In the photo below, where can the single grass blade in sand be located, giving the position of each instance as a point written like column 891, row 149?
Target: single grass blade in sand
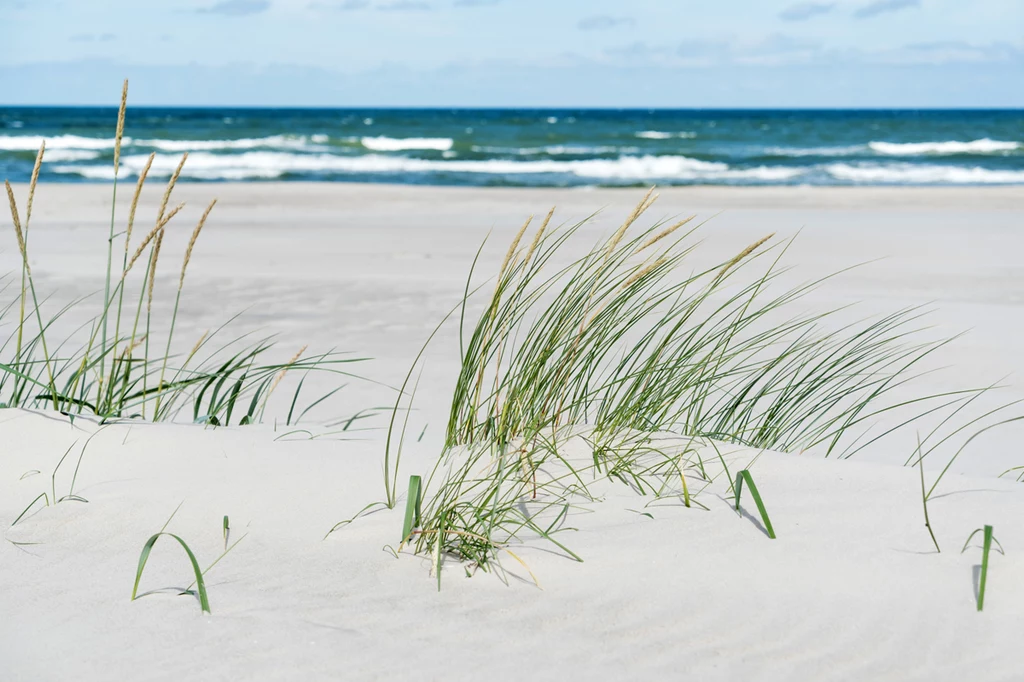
column 742, row 476
column 924, row 498
column 986, row 549
column 412, row 507
column 204, row 601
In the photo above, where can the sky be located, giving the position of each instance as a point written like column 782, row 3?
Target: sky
column 525, row 53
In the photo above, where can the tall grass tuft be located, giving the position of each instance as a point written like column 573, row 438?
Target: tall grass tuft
column 113, row 374
column 629, row 340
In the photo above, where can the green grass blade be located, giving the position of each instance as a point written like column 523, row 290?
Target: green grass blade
column 742, row 476
column 43, row 496
column 412, row 507
column 984, row 567
column 204, row 602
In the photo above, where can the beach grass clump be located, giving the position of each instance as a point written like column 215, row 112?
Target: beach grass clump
column 631, row 339
column 113, row 367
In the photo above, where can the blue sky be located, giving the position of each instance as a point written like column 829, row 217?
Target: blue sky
column 611, row 53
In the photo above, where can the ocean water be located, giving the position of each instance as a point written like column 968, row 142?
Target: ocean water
column 524, row 147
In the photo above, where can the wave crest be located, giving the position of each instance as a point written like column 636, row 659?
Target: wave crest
column 982, row 146
column 391, row 144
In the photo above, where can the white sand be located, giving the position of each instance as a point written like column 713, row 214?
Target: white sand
column 851, row 589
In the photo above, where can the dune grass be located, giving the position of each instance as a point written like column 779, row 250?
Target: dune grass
column 412, row 507
column 986, row 548
column 630, row 340
column 742, row 477
column 113, row 367
column 198, row 581
column 204, row 600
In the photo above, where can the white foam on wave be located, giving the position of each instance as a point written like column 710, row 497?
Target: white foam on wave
column 814, row 151
column 66, row 155
column 982, row 146
column 660, row 135
column 30, row 143
column 391, row 144
column 272, row 141
column 911, row 174
column 555, row 150
column 269, row 165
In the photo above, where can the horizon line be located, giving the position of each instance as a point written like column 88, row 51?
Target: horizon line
column 367, row 107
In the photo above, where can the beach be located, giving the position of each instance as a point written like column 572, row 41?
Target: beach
column 852, row 588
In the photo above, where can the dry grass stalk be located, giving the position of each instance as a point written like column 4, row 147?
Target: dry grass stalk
column 120, row 125
column 512, row 249
column 192, row 242
column 135, row 201
column 170, row 187
column 664, row 233
column 152, row 268
column 642, row 272
column 127, row 352
column 743, row 254
column 644, row 204
column 149, row 237
column 17, row 225
column 195, row 348
column 284, row 370
column 32, row 184
column 537, row 237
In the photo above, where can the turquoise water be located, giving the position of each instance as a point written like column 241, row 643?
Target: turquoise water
column 525, row 147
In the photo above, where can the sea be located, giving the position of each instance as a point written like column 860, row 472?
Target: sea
column 523, row 147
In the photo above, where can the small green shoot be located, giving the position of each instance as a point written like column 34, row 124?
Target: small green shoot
column 989, row 538
column 204, row 602
column 227, row 531
column 412, row 507
column 742, row 476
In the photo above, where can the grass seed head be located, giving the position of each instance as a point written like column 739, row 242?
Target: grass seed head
column 120, row 125
column 640, row 274
column 743, row 254
column 32, row 183
column 17, row 224
column 127, row 352
column 170, row 187
column 149, row 237
column 192, row 242
column 284, row 370
column 644, row 204
column 537, row 237
column 664, row 233
column 512, row 248
column 152, row 267
column 199, row 344
column 135, row 200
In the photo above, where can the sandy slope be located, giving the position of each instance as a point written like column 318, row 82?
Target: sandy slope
column 851, row 589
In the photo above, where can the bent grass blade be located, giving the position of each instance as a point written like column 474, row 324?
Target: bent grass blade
column 742, row 476
column 204, row 601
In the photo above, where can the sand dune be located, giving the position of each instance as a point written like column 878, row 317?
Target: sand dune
column 852, row 588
